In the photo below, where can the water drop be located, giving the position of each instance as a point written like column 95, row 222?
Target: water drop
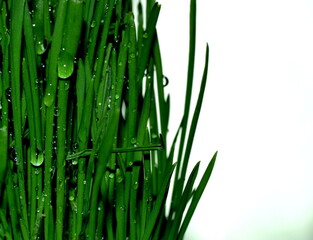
column 40, row 47
column 65, row 64
column 145, row 35
column 133, row 141
column 119, row 179
column 136, row 186
column 165, row 81
column 111, row 175
column 37, row 161
column 93, row 24
column 8, row 94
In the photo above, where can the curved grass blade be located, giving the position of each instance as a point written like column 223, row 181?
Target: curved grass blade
column 196, row 197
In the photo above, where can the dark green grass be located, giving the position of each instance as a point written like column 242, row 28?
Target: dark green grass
column 84, row 121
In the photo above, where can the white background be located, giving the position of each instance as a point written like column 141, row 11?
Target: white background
column 257, row 112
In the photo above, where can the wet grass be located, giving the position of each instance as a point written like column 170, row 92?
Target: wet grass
column 84, row 122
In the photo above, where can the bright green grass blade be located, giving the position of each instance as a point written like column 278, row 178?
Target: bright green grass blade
column 12, row 202
column 16, row 44
column 196, row 197
column 47, row 21
column 52, row 76
column 71, row 37
column 38, row 26
column 107, row 144
column 33, row 76
column 61, row 154
column 103, row 41
column 118, row 15
column 80, row 90
column 95, row 26
column 164, row 113
column 120, row 206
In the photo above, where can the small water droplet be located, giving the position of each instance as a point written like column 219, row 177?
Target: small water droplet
column 111, row 175
column 165, row 81
column 145, row 35
column 93, row 24
column 133, row 140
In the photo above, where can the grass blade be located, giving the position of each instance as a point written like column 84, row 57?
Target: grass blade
column 196, row 197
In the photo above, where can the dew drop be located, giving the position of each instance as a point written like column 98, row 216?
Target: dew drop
column 65, row 64
column 165, row 81
column 93, row 24
column 133, row 141
column 37, row 161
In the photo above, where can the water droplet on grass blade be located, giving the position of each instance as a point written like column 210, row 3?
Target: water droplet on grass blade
column 165, row 81
column 133, row 140
column 93, row 24
column 40, row 47
column 37, row 161
column 65, row 64
column 119, row 179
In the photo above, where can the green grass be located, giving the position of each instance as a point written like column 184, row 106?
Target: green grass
column 84, row 121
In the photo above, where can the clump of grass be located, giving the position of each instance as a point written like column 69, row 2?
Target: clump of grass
column 84, row 121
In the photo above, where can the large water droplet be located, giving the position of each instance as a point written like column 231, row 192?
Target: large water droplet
column 37, row 161
column 65, row 64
